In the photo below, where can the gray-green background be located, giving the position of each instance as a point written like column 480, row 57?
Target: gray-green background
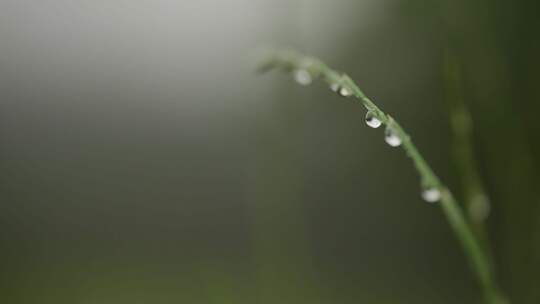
column 142, row 160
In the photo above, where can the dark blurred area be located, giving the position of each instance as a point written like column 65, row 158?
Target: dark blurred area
column 143, row 160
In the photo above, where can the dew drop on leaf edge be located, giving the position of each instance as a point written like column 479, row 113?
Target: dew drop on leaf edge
column 303, row 77
column 391, row 138
column 343, row 91
column 372, row 121
column 431, row 195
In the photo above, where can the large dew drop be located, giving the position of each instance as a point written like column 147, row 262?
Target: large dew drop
column 372, row 121
column 303, row 77
column 391, row 138
column 431, row 195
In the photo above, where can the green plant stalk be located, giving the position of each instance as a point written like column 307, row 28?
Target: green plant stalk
column 474, row 196
column 479, row 261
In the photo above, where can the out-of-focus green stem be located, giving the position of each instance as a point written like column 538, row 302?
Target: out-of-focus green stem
column 479, row 260
column 475, row 197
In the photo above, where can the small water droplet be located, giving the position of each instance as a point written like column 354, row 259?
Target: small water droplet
column 343, row 91
column 431, row 195
column 334, row 87
column 372, row 121
column 303, row 77
column 391, row 138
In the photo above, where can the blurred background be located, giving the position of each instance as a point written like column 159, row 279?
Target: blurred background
column 143, row 161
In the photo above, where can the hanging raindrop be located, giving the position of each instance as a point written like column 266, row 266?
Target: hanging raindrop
column 343, row 91
column 303, row 77
column 392, row 138
column 334, row 87
column 372, row 121
column 431, row 195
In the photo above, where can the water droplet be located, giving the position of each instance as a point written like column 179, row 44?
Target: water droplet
column 303, row 77
column 391, row 138
column 343, row 91
column 372, row 121
column 431, row 195
column 334, row 87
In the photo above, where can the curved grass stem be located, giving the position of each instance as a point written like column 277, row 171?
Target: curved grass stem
column 479, row 260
